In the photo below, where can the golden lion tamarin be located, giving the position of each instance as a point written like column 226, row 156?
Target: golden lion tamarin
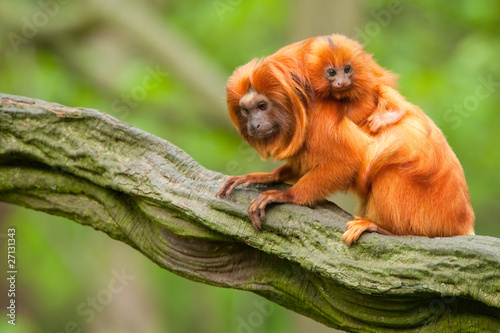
column 348, row 131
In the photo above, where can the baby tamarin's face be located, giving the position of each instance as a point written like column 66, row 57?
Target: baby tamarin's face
column 340, row 77
column 338, row 67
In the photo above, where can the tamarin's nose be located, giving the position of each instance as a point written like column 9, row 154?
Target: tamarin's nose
column 341, row 84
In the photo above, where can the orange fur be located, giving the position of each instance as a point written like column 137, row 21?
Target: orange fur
column 411, row 182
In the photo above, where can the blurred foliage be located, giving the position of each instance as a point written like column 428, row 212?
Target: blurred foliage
column 443, row 52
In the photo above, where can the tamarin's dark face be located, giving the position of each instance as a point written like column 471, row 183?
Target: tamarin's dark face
column 259, row 118
column 267, row 103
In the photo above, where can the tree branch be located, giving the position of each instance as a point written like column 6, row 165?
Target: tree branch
column 142, row 190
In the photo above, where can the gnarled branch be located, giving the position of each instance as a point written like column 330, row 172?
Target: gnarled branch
column 142, row 190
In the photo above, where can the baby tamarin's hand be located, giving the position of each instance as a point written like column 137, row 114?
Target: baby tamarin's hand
column 379, row 120
column 391, row 108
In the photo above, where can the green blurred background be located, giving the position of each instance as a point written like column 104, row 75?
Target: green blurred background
column 161, row 66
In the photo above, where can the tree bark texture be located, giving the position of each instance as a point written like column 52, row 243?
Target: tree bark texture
column 142, row 190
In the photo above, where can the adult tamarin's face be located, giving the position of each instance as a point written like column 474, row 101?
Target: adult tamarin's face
column 260, row 117
column 267, row 104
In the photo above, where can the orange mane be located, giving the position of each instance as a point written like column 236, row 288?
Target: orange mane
column 285, row 89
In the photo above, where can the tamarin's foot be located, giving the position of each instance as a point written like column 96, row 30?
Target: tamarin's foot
column 356, row 227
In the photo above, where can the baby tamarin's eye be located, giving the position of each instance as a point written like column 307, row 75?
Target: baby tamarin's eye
column 244, row 111
column 262, row 106
column 330, row 72
column 347, row 69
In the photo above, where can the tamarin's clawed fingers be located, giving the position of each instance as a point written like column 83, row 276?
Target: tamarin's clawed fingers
column 280, row 174
column 257, row 210
column 231, row 183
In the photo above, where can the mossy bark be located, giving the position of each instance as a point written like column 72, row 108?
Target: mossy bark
column 139, row 189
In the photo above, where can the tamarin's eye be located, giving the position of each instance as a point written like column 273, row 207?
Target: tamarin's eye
column 347, row 69
column 330, row 72
column 262, row 106
column 244, row 111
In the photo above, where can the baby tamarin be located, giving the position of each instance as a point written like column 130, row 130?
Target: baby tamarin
column 411, row 181
column 372, row 103
column 271, row 107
